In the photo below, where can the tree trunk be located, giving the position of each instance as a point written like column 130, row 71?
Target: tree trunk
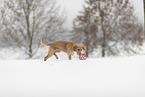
column 87, row 44
column 104, row 37
column 27, row 15
column 103, row 30
column 87, row 50
column 103, row 50
column 144, row 17
column 103, row 45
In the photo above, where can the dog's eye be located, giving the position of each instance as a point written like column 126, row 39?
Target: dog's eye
column 79, row 49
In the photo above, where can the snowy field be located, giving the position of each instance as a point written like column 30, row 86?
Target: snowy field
column 94, row 77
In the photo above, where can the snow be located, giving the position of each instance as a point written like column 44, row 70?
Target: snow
column 94, row 77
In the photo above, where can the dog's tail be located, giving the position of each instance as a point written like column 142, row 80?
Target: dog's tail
column 44, row 43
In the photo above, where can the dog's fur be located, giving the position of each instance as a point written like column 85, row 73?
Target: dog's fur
column 64, row 46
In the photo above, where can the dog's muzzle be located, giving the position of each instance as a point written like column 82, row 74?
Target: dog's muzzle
column 79, row 53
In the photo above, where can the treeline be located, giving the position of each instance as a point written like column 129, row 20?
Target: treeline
column 106, row 26
column 109, row 26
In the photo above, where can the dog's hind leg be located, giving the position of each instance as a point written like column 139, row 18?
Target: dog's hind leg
column 55, row 55
column 48, row 56
column 50, row 53
column 56, row 51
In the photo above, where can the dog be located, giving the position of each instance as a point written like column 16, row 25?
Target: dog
column 63, row 46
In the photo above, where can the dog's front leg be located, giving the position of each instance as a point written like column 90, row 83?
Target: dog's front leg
column 69, row 53
column 69, row 57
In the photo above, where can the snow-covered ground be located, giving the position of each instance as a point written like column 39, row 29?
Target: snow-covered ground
column 94, row 77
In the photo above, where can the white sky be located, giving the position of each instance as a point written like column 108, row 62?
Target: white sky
column 72, row 7
column 138, row 4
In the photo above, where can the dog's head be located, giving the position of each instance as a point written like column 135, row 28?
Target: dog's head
column 78, row 48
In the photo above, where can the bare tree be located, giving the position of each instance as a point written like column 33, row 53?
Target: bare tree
column 24, row 22
column 111, row 26
column 85, row 28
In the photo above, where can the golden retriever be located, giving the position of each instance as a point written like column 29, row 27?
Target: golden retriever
column 64, row 46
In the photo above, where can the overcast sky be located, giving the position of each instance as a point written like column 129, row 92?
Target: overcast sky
column 72, row 7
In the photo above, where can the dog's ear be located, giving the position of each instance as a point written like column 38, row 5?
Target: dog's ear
column 83, row 47
column 74, row 47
